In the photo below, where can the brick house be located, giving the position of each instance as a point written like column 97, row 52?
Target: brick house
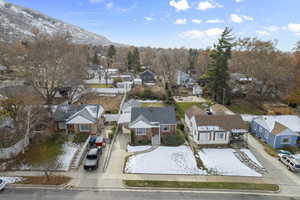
column 85, row 118
column 153, row 123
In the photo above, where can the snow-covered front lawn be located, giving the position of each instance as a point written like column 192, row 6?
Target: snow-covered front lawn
column 224, row 162
column 164, row 160
column 133, row 149
column 8, row 179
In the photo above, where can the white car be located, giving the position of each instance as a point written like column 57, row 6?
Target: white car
column 292, row 162
column 2, row 184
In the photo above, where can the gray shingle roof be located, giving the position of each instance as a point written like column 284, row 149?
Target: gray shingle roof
column 64, row 111
column 163, row 115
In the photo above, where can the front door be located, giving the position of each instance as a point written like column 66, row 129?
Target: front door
column 155, row 137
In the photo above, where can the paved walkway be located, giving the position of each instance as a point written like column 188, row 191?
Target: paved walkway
column 277, row 172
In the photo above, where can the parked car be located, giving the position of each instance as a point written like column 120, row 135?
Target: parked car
column 284, row 152
column 97, row 142
column 2, row 184
column 292, row 163
column 92, row 159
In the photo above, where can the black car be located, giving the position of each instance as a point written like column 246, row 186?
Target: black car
column 92, row 159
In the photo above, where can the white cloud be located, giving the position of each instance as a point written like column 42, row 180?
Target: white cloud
column 209, row 34
column 197, row 21
column 149, row 19
column 180, row 5
column 180, row 21
column 272, row 28
column 109, row 5
column 239, row 1
column 263, row 33
column 236, row 18
column 214, row 21
column 294, row 27
column 204, row 5
column 248, row 18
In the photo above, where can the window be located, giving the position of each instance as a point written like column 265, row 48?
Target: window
column 84, row 127
column 203, row 136
column 285, row 140
column 61, row 125
column 220, row 136
column 164, row 128
column 141, row 131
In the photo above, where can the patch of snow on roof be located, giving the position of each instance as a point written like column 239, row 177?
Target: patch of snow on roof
column 290, row 121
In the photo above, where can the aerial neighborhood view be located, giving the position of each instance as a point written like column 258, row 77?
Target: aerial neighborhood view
column 187, row 99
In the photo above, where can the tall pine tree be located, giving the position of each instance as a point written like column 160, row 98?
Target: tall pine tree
column 129, row 61
column 218, row 75
column 136, row 60
column 111, row 53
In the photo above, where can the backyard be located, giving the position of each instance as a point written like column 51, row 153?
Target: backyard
column 110, row 104
column 99, row 86
column 246, row 107
column 182, row 107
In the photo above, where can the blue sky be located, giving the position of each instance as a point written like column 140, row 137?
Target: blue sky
column 178, row 23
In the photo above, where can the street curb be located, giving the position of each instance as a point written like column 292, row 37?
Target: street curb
column 204, row 189
column 66, row 187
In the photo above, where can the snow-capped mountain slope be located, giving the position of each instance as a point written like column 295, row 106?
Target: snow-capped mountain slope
column 17, row 23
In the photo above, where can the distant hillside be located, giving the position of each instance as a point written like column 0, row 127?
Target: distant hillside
column 17, row 23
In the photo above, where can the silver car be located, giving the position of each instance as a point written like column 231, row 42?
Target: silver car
column 2, row 184
column 292, row 163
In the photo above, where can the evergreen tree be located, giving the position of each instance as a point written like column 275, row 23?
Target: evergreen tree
column 193, row 54
column 136, row 60
column 218, row 75
column 129, row 61
column 95, row 59
column 111, row 53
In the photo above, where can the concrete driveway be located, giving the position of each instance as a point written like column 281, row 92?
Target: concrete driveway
column 277, row 172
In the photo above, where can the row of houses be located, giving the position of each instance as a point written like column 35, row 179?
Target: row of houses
column 99, row 75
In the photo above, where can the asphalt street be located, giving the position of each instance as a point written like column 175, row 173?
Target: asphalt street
column 37, row 194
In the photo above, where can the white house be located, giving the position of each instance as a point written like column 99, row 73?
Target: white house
column 216, row 129
column 192, row 111
column 197, row 90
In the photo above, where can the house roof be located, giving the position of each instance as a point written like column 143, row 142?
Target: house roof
column 226, row 122
column 147, row 76
column 64, row 111
column 76, row 113
column 195, row 110
column 130, row 104
column 280, row 129
column 268, row 121
column 163, row 115
column 219, row 109
column 88, row 114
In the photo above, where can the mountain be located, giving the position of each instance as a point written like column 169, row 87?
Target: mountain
column 17, row 22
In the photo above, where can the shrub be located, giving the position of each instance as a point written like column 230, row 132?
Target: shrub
column 180, row 127
column 291, row 149
column 143, row 142
column 80, row 138
column 111, row 136
column 175, row 139
column 132, row 137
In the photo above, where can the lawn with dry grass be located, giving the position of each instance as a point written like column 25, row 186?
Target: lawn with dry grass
column 44, row 180
column 110, row 104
